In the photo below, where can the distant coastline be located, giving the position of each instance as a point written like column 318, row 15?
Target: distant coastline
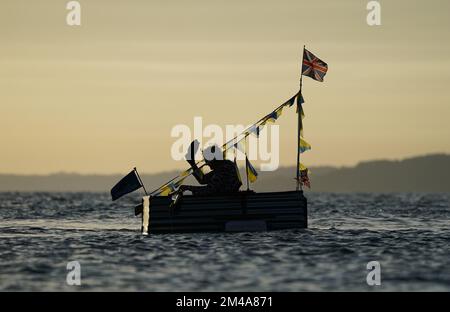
column 429, row 173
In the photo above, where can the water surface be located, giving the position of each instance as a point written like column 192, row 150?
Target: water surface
column 409, row 234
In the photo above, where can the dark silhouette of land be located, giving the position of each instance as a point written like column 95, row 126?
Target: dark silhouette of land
column 430, row 173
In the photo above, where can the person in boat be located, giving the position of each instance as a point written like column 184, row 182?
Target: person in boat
column 222, row 179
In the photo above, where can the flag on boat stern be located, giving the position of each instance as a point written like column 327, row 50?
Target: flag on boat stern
column 313, row 66
column 304, row 178
column 251, row 171
column 128, row 184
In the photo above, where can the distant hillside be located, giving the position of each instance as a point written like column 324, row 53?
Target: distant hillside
column 429, row 173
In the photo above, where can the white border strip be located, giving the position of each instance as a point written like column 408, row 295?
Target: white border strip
column 145, row 215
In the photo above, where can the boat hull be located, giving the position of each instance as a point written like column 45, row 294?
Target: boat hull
column 240, row 212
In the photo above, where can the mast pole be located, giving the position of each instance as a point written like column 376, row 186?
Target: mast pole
column 246, row 164
column 140, row 180
column 299, row 124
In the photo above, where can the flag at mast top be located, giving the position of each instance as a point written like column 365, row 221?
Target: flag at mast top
column 313, row 66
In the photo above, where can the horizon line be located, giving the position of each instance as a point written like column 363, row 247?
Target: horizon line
column 280, row 167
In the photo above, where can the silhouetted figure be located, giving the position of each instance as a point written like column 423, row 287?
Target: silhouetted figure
column 222, row 179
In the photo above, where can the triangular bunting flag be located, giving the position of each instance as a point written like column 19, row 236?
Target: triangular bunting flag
column 291, row 101
column 304, row 146
column 240, row 146
column 251, row 171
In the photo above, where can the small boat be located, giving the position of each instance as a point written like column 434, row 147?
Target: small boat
column 241, row 212
column 166, row 210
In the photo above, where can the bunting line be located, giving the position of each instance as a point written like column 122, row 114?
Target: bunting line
column 170, row 186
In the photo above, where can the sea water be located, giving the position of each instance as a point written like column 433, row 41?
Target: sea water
column 408, row 234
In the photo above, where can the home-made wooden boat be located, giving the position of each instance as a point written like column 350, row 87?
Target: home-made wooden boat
column 166, row 210
column 243, row 211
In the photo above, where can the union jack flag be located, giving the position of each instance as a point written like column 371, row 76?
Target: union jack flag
column 304, row 179
column 313, row 66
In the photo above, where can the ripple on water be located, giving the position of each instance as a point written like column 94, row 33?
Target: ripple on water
column 408, row 233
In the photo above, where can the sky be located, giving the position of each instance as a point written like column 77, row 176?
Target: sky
column 103, row 97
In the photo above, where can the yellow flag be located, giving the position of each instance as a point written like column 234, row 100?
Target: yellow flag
column 166, row 190
column 251, row 171
column 186, row 173
column 304, row 146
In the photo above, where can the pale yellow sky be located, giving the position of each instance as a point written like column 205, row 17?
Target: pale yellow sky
column 104, row 96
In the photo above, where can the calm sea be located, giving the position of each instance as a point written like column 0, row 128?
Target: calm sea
column 408, row 234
